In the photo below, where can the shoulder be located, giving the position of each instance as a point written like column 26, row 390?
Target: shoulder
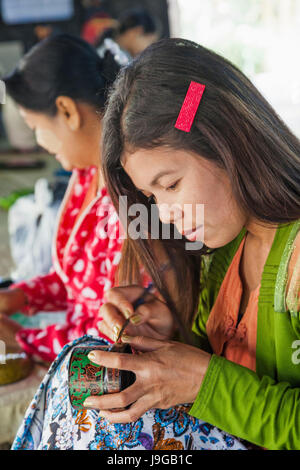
column 293, row 278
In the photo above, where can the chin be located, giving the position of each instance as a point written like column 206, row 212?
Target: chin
column 67, row 166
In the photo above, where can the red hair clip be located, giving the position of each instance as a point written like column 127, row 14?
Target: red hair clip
column 189, row 107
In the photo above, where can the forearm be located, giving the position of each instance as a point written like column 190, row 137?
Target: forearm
column 237, row 401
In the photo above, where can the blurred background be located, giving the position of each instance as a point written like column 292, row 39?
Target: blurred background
column 261, row 37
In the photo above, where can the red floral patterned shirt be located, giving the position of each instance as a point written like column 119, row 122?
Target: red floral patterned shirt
column 86, row 252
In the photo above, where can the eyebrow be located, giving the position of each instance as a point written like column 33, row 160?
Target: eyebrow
column 157, row 177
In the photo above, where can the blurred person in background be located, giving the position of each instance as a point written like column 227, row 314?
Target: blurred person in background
column 60, row 87
column 19, row 135
column 135, row 31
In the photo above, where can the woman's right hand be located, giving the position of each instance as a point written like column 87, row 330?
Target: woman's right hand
column 11, row 300
column 152, row 319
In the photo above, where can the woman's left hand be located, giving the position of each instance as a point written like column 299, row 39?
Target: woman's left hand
column 168, row 373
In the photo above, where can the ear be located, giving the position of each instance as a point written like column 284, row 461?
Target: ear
column 69, row 110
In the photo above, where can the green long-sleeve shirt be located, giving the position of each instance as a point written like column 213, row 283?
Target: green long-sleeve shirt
column 261, row 407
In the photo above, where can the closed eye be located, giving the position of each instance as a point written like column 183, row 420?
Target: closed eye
column 173, row 186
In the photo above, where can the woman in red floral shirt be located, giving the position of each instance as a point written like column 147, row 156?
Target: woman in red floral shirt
column 61, row 87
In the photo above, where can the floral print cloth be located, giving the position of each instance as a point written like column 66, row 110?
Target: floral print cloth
column 51, row 423
column 86, row 253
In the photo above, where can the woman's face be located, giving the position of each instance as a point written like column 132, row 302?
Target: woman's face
column 135, row 40
column 143, row 41
column 176, row 177
column 72, row 135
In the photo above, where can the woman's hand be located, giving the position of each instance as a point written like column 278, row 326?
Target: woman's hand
column 152, row 319
column 167, row 374
column 11, row 300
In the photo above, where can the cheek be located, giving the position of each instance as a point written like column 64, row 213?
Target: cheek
column 74, row 149
column 215, row 194
column 48, row 139
column 223, row 219
column 145, row 42
column 222, row 203
column 211, row 199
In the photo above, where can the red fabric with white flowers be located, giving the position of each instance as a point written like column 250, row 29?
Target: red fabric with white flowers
column 86, row 252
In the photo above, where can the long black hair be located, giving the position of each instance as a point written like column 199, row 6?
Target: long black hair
column 62, row 65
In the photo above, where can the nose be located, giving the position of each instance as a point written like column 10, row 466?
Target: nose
column 169, row 213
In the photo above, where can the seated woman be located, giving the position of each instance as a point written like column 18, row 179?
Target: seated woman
column 135, row 30
column 167, row 141
column 61, row 87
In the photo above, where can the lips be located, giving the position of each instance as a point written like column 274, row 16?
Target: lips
column 192, row 234
column 186, row 233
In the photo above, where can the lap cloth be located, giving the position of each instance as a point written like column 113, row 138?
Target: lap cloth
column 51, row 422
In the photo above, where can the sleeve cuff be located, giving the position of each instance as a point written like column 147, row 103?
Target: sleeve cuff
column 207, row 386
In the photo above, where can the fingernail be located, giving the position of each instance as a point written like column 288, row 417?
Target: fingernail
column 88, row 402
column 116, row 331
column 127, row 313
column 136, row 319
column 91, row 356
column 126, row 339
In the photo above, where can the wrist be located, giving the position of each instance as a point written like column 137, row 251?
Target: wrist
column 202, row 367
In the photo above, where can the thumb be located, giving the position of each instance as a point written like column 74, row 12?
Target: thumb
column 124, row 297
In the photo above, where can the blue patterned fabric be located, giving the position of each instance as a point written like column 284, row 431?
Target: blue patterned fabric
column 51, row 422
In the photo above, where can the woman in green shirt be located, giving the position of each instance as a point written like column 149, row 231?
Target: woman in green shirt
column 242, row 163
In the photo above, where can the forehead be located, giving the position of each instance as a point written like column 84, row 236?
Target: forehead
column 144, row 165
column 152, row 158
